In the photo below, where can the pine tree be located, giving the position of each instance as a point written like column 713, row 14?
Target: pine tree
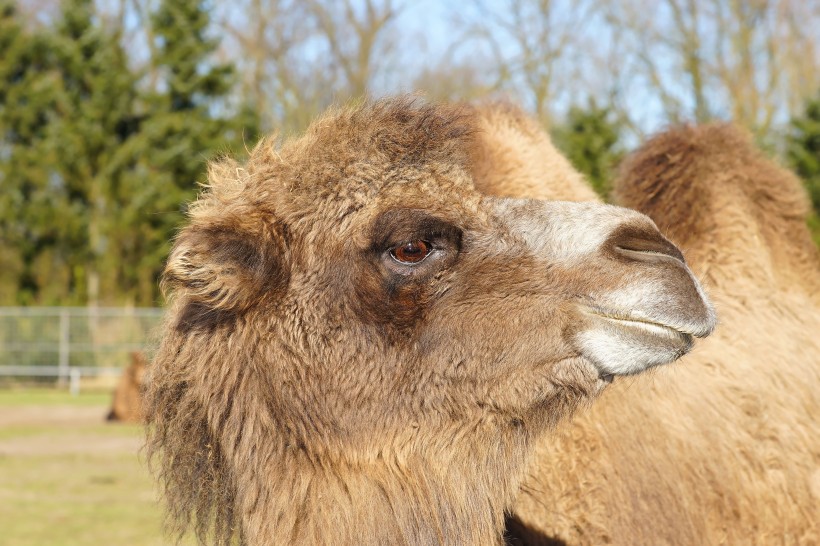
column 803, row 153
column 189, row 118
column 589, row 138
column 66, row 106
column 31, row 196
column 95, row 162
column 94, row 125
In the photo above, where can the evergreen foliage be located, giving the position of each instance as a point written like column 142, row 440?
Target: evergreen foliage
column 97, row 160
column 804, row 155
column 31, row 243
column 589, row 138
column 189, row 118
column 93, row 124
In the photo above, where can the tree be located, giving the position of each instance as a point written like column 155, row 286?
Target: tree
column 536, row 45
column 95, row 120
column 32, row 196
column 803, row 153
column 352, row 37
column 296, row 57
column 269, row 40
column 589, row 138
column 451, row 80
column 187, row 118
column 697, row 60
column 68, row 98
column 95, row 161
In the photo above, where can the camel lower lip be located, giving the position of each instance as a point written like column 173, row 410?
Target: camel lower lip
column 647, row 326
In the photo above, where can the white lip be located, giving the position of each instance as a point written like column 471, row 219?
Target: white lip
column 648, row 325
column 618, row 345
column 656, row 328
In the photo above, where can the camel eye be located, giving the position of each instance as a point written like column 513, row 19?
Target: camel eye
column 412, row 252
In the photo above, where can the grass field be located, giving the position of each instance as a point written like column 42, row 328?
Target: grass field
column 69, row 478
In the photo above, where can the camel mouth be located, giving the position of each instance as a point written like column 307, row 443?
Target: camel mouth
column 619, row 345
column 655, row 326
column 650, row 327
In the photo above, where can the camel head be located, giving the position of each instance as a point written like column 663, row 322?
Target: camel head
column 349, row 308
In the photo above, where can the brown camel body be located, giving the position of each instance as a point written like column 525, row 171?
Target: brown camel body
column 723, row 448
column 363, row 349
column 127, row 402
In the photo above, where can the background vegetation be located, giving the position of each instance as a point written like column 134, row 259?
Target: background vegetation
column 110, row 109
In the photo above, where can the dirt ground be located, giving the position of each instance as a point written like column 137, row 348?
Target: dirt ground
column 76, row 440
column 30, row 415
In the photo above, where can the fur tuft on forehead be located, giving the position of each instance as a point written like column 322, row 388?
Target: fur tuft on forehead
column 347, row 153
column 344, row 155
column 386, row 134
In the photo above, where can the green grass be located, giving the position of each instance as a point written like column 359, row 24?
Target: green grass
column 78, row 499
column 52, row 397
column 814, row 227
column 68, row 478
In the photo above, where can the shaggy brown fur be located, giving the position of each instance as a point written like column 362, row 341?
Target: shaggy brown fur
column 725, row 447
column 311, row 387
column 515, row 158
column 127, row 404
column 731, row 209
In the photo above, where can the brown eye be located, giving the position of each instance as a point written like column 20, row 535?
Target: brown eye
column 412, row 252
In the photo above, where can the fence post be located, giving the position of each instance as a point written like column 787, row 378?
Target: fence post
column 62, row 363
column 74, row 383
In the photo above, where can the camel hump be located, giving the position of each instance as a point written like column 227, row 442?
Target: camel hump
column 513, row 156
column 127, row 403
column 733, row 210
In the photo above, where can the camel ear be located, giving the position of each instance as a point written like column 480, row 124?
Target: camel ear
column 221, row 268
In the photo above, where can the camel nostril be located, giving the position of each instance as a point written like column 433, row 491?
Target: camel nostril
column 643, row 244
column 650, row 255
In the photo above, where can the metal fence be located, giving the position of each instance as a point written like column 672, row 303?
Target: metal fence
column 65, row 343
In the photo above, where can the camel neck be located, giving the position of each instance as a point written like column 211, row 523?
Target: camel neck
column 396, row 501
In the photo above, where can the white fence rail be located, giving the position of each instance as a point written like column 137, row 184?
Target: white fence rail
column 66, row 343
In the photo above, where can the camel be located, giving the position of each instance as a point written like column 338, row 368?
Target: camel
column 127, row 402
column 362, row 348
column 724, row 449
